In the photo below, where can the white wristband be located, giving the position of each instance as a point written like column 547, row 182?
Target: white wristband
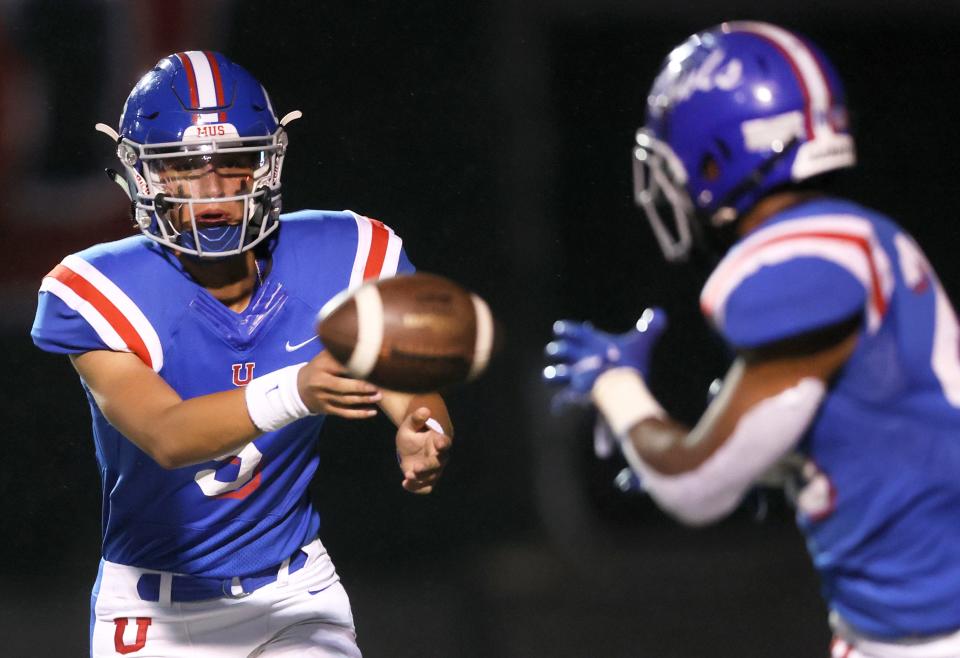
column 273, row 399
column 624, row 399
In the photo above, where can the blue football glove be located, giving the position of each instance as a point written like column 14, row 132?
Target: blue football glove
column 580, row 353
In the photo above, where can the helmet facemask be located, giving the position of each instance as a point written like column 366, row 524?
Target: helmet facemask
column 659, row 188
column 174, row 195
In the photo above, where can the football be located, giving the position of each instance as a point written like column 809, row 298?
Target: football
column 414, row 333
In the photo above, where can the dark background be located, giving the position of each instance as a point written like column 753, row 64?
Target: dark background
column 494, row 137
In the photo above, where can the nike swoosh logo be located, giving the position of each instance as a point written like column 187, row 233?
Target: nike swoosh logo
column 294, row 348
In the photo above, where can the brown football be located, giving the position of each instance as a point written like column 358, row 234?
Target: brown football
column 413, row 333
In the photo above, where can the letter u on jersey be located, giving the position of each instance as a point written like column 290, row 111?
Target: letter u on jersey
column 242, row 373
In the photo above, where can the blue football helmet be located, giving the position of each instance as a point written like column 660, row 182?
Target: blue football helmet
column 194, row 114
column 736, row 111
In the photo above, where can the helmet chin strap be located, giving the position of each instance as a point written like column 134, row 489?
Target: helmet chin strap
column 261, row 207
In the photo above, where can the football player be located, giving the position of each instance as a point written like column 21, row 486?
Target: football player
column 194, row 344
column 846, row 344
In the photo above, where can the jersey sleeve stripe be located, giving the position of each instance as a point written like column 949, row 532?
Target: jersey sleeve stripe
column 92, row 299
column 854, row 250
column 364, row 234
column 391, row 259
column 126, row 306
column 378, row 250
column 87, row 311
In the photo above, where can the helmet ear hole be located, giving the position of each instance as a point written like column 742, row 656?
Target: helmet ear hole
column 709, row 168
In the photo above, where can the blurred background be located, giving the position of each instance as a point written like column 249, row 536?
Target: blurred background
column 494, row 136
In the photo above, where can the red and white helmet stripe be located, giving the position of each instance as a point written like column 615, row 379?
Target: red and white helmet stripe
column 810, row 76
column 206, row 85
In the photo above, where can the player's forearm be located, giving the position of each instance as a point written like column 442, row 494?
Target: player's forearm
column 218, row 424
column 198, row 430
column 150, row 413
column 701, row 475
column 665, row 445
column 670, row 463
column 635, row 416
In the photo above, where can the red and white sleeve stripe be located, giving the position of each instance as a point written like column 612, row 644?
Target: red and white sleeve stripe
column 378, row 251
column 841, row 649
column 115, row 317
column 847, row 241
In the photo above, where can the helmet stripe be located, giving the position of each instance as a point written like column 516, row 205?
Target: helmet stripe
column 804, row 89
column 191, row 79
column 217, row 82
column 809, row 74
column 818, row 62
column 206, row 88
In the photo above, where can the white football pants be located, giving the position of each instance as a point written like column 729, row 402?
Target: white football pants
column 305, row 613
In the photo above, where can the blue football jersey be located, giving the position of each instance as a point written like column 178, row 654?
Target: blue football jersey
column 243, row 512
column 881, row 503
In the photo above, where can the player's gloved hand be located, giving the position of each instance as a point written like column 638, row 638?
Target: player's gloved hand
column 422, row 452
column 580, row 353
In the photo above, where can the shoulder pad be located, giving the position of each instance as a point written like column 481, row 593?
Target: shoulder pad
column 797, row 276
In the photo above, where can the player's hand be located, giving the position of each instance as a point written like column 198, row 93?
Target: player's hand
column 580, row 353
column 422, row 452
column 326, row 389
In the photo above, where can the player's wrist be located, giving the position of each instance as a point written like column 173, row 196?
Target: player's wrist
column 623, row 398
column 273, row 400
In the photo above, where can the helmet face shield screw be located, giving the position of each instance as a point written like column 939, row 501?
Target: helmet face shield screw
column 127, row 155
